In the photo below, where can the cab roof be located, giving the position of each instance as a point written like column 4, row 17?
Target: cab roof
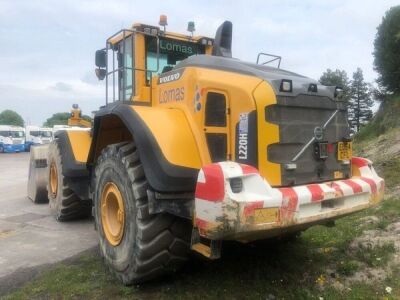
column 155, row 30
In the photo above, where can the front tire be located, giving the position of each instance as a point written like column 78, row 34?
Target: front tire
column 135, row 245
column 64, row 202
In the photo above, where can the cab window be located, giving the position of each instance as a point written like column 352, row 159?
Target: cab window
column 17, row 134
column 171, row 52
column 45, row 133
column 125, row 65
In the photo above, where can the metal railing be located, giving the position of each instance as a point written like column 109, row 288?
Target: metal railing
column 126, row 33
column 274, row 58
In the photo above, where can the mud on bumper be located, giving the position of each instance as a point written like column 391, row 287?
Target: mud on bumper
column 234, row 202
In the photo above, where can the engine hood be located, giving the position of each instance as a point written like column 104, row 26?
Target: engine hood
column 272, row 75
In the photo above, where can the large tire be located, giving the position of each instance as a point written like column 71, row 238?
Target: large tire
column 150, row 245
column 64, row 203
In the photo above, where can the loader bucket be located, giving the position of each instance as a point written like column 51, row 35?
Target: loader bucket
column 37, row 180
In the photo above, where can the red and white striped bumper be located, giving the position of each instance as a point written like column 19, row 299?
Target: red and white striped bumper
column 259, row 210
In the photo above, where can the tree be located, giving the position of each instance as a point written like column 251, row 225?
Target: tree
column 386, row 53
column 337, row 78
column 360, row 103
column 379, row 93
column 10, row 117
column 61, row 119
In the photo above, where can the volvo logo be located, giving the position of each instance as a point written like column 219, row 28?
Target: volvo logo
column 170, row 76
column 319, row 133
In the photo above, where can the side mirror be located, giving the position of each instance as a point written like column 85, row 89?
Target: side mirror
column 101, row 58
column 100, row 73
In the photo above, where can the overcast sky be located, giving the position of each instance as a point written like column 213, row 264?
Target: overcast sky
column 47, row 47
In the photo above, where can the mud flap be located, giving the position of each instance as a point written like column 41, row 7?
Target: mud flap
column 37, row 180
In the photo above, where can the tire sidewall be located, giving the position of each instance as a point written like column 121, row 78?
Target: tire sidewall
column 120, row 257
column 55, row 201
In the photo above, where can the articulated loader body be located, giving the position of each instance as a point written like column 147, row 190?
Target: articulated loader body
column 194, row 147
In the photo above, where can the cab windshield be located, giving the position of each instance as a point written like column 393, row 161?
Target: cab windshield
column 171, row 52
column 45, row 133
column 17, row 134
column 34, row 133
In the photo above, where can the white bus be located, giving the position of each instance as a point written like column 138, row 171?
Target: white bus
column 36, row 135
column 12, row 138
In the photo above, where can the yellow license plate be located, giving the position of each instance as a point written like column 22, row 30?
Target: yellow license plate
column 344, row 151
column 266, row 215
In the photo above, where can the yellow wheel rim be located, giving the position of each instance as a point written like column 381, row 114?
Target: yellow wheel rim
column 53, row 179
column 112, row 213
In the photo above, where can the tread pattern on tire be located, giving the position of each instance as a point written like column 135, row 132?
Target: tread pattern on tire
column 162, row 240
column 67, row 205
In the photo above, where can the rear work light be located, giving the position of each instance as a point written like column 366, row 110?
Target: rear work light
column 290, row 166
column 286, row 86
column 313, row 88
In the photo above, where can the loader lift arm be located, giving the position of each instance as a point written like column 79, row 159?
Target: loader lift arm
column 76, row 118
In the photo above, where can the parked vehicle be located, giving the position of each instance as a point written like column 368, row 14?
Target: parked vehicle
column 12, row 139
column 36, row 135
column 194, row 147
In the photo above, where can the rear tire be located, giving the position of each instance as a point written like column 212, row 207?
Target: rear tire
column 151, row 245
column 64, row 203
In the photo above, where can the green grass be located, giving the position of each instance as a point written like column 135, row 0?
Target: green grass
column 391, row 172
column 388, row 212
column 349, row 267
column 286, row 270
column 370, row 131
column 387, row 165
column 385, row 119
column 375, row 256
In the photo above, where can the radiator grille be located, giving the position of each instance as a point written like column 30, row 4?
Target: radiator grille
column 217, row 146
column 297, row 118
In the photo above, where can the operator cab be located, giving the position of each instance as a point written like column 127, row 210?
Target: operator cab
column 133, row 57
column 171, row 51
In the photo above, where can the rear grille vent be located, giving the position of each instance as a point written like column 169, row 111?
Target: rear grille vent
column 217, row 146
column 215, row 110
column 297, row 118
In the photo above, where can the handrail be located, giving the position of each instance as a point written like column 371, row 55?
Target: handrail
column 275, row 57
column 126, row 33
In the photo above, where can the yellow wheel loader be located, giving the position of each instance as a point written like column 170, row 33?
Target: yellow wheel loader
column 193, row 147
